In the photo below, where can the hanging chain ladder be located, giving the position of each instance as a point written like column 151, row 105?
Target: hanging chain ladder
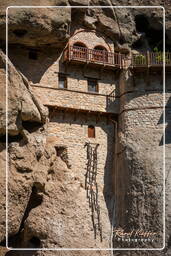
column 91, row 187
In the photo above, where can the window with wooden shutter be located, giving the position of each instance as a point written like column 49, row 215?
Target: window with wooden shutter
column 91, row 131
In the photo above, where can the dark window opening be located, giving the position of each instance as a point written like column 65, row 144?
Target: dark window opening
column 100, row 54
column 31, row 126
column 20, row 32
column 62, row 81
column 93, row 85
column 79, row 51
column 91, row 131
column 33, row 55
column 79, row 44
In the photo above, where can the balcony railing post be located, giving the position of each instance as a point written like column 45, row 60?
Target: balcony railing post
column 69, row 52
column 148, row 59
column 119, row 59
column 86, row 53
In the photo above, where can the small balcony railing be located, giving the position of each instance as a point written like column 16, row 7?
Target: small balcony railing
column 83, row 54
column 150, row 59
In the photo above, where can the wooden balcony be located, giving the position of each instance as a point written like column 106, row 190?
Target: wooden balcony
column 150, row 60
column 83, row 55
column 140, row 61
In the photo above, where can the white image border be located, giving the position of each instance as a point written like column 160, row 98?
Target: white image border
column 164, row 100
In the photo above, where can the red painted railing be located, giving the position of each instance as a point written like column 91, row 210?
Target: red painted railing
column 79, row 53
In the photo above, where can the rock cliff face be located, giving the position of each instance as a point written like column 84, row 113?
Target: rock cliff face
column 41, row 185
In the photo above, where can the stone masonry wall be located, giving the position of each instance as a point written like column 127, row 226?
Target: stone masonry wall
column 44, row 72
column 140, row 156
column 70, row 99
column 91, row 39
column 73, row 134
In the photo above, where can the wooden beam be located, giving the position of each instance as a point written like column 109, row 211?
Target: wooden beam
column 73, row 110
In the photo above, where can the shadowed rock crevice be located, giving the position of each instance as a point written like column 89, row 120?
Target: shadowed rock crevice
column 34, row 242
column 20, row 32
column 31, row 126
column 61, row 151
column 169, row 242
column 16, row 241
column 15, row 138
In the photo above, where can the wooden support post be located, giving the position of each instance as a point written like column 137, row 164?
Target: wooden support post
column 84, row 69
column 148, row 59
column 75, row 115
column 69, row 52
column 119, row 59
column 86, row 117
column 132, row 60
column 107, row 120
column 133, row 79
column 97, row 118
column 63, row 114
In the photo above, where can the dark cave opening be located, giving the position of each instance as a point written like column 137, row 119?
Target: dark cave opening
column 141, row 22
column 138, row 44
column 153, row 36
column 31, row 126
column 15, row 138
column 155, row 39
column 20, row 32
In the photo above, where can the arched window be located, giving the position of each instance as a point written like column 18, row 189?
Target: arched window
column 79, row 51
column 100, row 54
column 91, row 131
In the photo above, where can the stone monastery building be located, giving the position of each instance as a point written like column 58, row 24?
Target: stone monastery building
column 88, row 87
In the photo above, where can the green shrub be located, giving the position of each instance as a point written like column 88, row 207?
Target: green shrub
column 140, row 59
